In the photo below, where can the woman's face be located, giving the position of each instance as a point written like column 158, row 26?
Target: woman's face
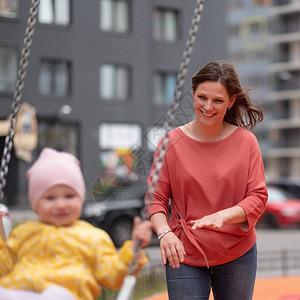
column 60, row 206
column 211, row 101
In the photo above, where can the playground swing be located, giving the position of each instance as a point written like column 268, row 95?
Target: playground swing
column 126, row 291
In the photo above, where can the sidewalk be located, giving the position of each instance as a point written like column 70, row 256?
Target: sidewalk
column 273, row 288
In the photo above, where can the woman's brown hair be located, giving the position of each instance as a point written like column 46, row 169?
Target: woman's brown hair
column 243, row 113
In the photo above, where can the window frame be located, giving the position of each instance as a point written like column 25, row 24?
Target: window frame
column 114, row 98
column 131, row 125
column 53, row 23
column 113, row 18
column 16, row 49
column 54, row 62
column 163, row 11
column 46, row 124
column 163, row 75
column 17, row 12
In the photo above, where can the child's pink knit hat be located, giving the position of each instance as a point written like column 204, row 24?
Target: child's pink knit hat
column 53, row 168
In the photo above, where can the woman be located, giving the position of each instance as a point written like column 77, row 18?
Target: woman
column 214, row 176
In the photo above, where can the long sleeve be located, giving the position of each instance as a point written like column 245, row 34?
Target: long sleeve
column 256, row 196
column 112, row 266
column 159, row 200
column 7, row 257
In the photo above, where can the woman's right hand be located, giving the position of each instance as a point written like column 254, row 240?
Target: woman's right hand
column 172, row 250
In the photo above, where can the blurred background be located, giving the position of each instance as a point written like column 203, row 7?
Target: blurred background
column 102, row 74
column 101, row 77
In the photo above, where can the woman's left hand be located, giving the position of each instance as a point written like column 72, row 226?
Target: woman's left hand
column 213, row 221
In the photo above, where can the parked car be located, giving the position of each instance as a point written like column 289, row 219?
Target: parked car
column 291, row 185
column 114, row 208
column 7, row 223
column 282, row 209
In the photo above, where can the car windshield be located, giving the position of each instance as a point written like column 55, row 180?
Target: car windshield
column 277, row 195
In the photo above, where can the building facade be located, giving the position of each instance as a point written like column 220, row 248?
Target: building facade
column 264, row 39
column 248, row 48
column 284, row 157
column 101, row 77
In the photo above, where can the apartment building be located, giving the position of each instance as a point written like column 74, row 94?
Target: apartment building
column 248, row 48
column 101, row 76
column 284, row 157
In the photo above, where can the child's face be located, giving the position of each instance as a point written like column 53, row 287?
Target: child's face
column 60, row 206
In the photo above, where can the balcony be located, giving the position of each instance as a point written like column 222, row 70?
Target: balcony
column 285, row 134
column 285, row 124
column 284, row 95
column 285, row 38
column 284, row 66
column 284, row 152
column 285, row 8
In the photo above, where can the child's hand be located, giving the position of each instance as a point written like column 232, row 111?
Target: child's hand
column 142, row 231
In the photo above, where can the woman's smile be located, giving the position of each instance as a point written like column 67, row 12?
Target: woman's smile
column 207, row 115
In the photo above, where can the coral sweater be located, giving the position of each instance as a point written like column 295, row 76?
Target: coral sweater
column 202, row 178
column 79, row 257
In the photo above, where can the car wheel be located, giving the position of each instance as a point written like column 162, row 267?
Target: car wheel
column 271, row 221
column 120, row 230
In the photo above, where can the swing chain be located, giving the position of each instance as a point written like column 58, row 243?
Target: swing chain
column 176, row 100
column 132, row 267
column 18, row 94
column 171, row 114
column 158, row 162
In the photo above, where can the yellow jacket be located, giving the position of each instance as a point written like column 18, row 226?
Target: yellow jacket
column 79, row 257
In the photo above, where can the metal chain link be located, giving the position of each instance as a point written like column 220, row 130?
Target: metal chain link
column 158, row 162
column 18, row 94
column 172, row 111
column 176, row 101
column 168, row 123
column 133, row 265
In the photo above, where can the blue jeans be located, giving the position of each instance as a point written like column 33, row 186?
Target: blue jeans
column 232, row 280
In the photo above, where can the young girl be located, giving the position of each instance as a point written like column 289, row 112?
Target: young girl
column 59, row 256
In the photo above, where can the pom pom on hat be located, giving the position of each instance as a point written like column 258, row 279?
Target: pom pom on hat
column 54, row 168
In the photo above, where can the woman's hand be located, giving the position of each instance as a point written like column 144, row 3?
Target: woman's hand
column 213, row 221
column 172, row 250
column 142, row 231
column 232, row 215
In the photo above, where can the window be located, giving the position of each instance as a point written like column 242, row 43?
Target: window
column 9, row 8
column 154, row 135
column 54, row 12
column 8, row 69
column 120, row 136
column 165, row 25
column 115, row 15
column 254, row 31
column 163, row 87
column 114, row 82
column 60, row 136
column 54, row 78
